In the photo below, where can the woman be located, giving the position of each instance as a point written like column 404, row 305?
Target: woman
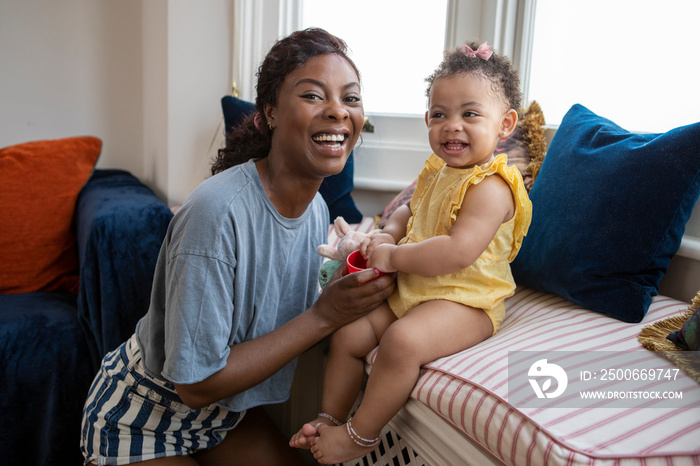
column 234, row 298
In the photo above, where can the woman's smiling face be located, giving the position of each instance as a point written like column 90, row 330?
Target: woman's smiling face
column 318, row 116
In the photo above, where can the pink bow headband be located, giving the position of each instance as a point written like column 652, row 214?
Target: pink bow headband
column 484, row 51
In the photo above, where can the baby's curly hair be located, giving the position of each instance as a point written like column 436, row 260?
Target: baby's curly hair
column 498, row 70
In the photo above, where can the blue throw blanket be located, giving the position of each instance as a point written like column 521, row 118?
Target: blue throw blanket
column 51, row 343
column 121, row 226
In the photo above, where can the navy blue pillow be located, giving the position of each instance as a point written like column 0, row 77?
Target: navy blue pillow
column 609, row 211
column 235, row 110
column 335, row 189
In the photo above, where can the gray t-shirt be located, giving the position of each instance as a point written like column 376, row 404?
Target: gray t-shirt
column 231, row 269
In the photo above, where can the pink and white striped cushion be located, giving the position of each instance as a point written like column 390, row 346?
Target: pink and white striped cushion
column 469, row 389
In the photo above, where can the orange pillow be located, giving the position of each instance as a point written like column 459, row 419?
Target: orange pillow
column 39, row 185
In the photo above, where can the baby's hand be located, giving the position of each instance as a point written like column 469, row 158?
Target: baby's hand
column 380, row 258
column 374, row 240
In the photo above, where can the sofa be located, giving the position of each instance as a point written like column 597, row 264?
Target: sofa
column 54, row 332
column 583, row 286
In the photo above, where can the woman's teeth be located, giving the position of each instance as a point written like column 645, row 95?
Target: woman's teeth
column 329, row 138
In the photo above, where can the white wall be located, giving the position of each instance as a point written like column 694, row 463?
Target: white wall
column 146, row 77
column 187, row 69
column 72, row 68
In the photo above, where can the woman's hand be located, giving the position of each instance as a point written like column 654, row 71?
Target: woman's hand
column 348, row 296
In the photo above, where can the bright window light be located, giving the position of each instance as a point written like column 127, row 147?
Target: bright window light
column 634, row 62
column 395, row 44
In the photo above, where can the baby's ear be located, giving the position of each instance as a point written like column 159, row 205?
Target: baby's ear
column 510, row 119
column 327, row 251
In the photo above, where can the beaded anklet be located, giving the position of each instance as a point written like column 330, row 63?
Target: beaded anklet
column 332, row 419
column 360, row 441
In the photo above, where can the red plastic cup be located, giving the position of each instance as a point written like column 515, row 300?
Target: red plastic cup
column 356, row 262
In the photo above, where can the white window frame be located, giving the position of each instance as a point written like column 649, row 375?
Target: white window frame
column 388, row 159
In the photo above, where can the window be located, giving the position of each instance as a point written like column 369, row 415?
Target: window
column 632, row 61
column 629, row 60
column 395, row 47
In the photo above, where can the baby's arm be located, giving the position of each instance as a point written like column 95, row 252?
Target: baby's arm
column 393, row 231
column 486, row 206
column 397, row 222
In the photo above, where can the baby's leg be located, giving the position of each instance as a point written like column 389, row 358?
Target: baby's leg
column 427, row 332
column 342, row 380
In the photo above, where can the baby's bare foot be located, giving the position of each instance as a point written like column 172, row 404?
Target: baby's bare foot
column 333, row 444
column 302, row 438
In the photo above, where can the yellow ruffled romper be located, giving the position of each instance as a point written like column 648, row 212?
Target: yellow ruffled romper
column 435, row 205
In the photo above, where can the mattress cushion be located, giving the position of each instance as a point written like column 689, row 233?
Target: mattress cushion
column 470, row 390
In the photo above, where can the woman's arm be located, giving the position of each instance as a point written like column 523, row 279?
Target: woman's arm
column 251, row 362
column 486, row 206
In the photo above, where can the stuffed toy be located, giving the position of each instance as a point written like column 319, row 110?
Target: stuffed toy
column 350, row 240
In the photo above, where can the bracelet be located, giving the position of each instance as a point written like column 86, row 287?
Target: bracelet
column 333, row 420
column 360, row 441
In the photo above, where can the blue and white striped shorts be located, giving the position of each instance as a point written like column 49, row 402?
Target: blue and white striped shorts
column 129, row 416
